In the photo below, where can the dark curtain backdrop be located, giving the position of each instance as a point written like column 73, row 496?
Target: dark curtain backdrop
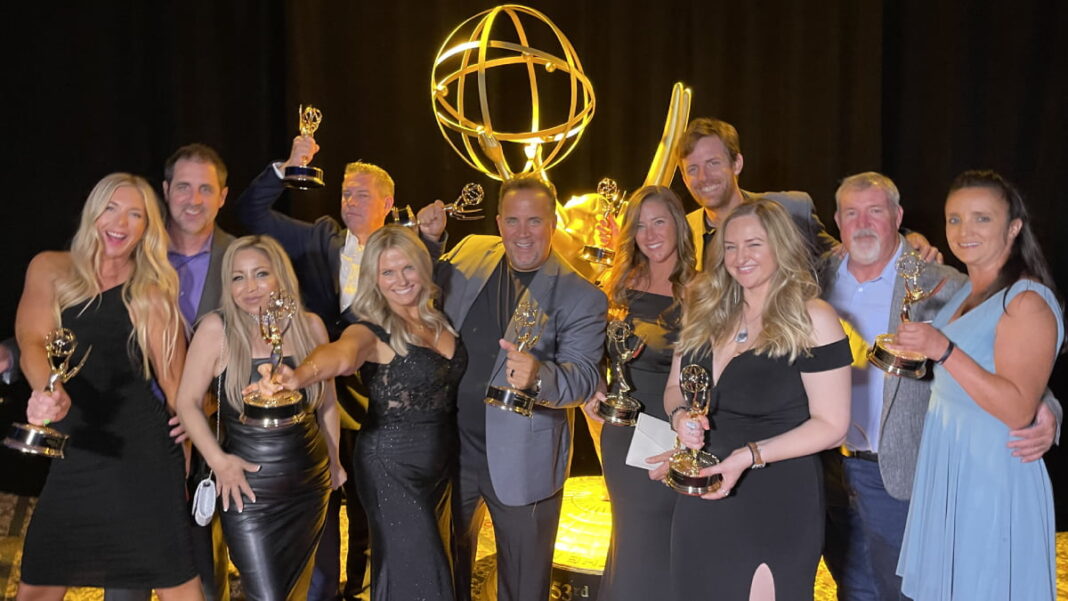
column 818, row 90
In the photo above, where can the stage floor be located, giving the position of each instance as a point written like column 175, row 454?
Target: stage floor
column 15, row 512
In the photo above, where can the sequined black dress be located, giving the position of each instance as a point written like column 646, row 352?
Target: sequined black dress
column 112, row 513
column 774, row 515
column 641, row 508
column 272, row 541
column 405, row 455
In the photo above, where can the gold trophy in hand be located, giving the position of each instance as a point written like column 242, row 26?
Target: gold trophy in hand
column 42, row 440
column 684, row 473
column 897, row 362
column 527, row 332
column 464, row 208
column 619, row 408
column 305, row 177
column 284, row 407
column 608, row 189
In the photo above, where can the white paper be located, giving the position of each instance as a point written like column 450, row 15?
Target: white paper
column 652, row 436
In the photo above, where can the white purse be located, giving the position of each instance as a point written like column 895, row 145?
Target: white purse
column 205, row 497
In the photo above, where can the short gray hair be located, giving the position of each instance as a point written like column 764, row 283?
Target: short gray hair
column 865, row 181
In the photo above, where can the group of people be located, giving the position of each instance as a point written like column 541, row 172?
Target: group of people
column 820, row 453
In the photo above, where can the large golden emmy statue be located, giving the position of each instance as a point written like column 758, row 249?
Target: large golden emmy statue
column 473, row 60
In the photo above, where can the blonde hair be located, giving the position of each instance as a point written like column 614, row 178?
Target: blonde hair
column 369, row 303
column 240, row 327
column 631, row 266
column 378, row 174
column 151, row 271
column 713, row 307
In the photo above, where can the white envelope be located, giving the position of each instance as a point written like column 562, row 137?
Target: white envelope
column 652, row 436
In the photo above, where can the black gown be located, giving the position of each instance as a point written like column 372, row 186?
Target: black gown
column 641, row 508
column 112, row 513
column 273, row 541
column 774, row 515
column 405, row 456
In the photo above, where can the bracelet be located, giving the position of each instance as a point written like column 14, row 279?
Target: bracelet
column 945, row 355
column 671, row 417
column 754, row 450
column 315, row 368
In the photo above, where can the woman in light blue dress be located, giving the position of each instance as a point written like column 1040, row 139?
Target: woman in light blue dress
column 981, row 523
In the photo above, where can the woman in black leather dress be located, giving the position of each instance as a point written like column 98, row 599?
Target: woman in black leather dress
column 410, row 360
column 778, row 363
column 654, row 261
column 273, row 481
column 120, row 490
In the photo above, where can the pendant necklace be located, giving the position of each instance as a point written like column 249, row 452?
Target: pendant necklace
column 743, row 333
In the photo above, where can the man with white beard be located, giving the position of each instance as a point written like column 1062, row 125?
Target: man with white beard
column 869, row 483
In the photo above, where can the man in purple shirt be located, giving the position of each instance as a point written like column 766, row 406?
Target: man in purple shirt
column 194, row 188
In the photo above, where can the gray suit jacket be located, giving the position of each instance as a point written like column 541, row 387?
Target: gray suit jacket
column 210, row 296
column 529, row 458
column 905, row 400
column 800, row 207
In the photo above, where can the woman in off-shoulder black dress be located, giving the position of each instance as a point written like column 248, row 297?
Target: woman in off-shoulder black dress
column 777, row 362
column 410, row 361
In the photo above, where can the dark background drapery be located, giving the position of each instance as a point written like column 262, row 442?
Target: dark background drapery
column 818, row 90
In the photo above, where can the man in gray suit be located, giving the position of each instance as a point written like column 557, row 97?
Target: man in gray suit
column 194, row 189
column 869, row 483
column 514, row 465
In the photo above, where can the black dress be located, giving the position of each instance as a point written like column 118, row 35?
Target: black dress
column 774, row 515
column 405, row 455
column 112, row 513
column 273, row 541
column 641, row 508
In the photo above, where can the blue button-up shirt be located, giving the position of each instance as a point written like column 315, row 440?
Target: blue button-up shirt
column 866, row 305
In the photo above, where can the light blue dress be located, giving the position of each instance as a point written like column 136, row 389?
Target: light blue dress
column 980, row 523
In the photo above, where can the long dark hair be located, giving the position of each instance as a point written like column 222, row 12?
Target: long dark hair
column 631, row 266
column 1026, row 259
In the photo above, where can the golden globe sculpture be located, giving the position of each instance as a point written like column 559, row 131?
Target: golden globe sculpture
column 481, row 49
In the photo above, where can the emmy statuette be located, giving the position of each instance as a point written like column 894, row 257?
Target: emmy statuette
column 42, row 440
column 284, row 407
column 305, row 177
column 525, row 325
column 904, row 363
column 619, row 408
column 684, row 473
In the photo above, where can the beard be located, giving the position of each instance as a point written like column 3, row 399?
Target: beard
column 866, row 246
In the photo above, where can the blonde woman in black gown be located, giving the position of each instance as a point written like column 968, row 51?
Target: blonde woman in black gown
column 273, row 482
column 112, row 513
column 654, row 261
column 779, row 366
column 411, row 361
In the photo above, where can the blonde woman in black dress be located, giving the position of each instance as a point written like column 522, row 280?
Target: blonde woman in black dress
column 779, row 366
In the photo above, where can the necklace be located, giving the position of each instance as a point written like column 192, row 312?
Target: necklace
column 743, row 332
column 742, row 335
